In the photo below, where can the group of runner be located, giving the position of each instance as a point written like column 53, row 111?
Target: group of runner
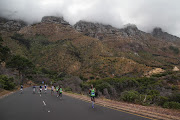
column 59, row 91
column 40, row 89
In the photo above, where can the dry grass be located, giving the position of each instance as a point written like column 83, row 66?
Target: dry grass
column 4, row 93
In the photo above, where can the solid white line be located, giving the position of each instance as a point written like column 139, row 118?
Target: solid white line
column 44, row 103
column 40, row 95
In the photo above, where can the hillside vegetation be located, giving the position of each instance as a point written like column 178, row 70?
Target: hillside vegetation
column 61, row 48
column 123, row 64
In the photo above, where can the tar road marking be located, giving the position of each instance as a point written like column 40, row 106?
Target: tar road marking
column 44, row 103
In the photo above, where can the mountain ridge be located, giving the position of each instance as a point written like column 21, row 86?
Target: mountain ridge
column 60, row 19
column 98, row 50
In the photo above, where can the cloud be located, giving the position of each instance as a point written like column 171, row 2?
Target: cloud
column 145, row 14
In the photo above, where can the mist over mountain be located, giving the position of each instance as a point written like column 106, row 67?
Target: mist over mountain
column 146, row 15
column 91, row 49
column 125, row 49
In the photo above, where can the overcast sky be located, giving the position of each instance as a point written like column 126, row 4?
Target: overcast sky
column 146, row 14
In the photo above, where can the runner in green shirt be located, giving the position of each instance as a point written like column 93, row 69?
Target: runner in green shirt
column 60, row 92
column 92, row 92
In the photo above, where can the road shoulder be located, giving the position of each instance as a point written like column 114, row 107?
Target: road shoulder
column 151, row 112
column 4, row 93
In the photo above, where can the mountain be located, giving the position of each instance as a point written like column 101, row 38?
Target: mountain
column 90, row 50
column 132, row 43
column 11, row 25
column 159, row 33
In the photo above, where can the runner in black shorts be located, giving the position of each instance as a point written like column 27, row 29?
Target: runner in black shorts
column 60, row 92
column 92, row 93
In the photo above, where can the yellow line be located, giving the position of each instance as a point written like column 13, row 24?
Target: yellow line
column 117, row 109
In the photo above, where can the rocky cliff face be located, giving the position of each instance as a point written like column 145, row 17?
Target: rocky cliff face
column 52, row 19
column 132, row 42
column 94, row 29
column 129, row 37
column 98, row 30
column 159, row 33
column 130, row 30
column 11, row 25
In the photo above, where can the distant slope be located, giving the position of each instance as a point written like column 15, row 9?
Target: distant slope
column 159, row 33
column 134, row 44
column 56, row 45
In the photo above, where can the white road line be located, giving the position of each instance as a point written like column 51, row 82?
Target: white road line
column 49, row 111
column 44, row 103
column 40, row 95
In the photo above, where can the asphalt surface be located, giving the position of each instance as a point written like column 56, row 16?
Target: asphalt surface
column 29, row 106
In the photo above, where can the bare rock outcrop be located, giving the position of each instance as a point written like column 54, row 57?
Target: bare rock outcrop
column 53, row 19
column 98, row 30
column 175, row 68
column 11, row 25
column 154, row 71
column 159, row 33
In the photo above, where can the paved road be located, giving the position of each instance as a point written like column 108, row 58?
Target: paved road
column 28, row 106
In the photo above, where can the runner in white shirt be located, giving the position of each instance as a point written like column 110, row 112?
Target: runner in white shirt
column 52, row 89
column 45, row 89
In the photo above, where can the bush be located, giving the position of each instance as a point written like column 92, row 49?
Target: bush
column 174, row 49
column 174, row 87
column 83, row 78
column 130, row 96
column 85, row 86
column 103, row 86
column 91, row 78
column 4, row 51
column 162, row 100
column 7, row 83
column 68, row 89
column 175, row 97
column 20, row 38
column 172, row 105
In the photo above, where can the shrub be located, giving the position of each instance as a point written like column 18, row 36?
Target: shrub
column 7, row 83
column 174, row 49
column 153, row 92
column 68, row 89
column 83, row 78
column 162, row 100
column 91, row 78
column 175, row 97
column 175, row 87
column 103, row 86
column 130, row 96
column 85, row 86
column 172, row 105
column 20, row 38
column 158, row 75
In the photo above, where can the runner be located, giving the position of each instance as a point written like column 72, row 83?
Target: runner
column 52, row 89
column 45, row 89
column 40, row 89
column 92, row 93
column 21, row 89
column 34, row 89
column 57, row 89
column 60, row 92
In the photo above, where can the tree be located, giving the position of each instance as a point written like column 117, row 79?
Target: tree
column 21, row 64
column 4, row 51
column 6, row 83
